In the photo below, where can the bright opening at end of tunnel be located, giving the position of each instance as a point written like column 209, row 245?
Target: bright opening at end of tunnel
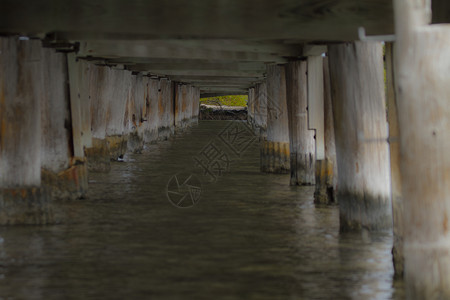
column 228, row 107
column 228, row 100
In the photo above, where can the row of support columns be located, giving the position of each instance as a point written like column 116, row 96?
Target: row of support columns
column 323, row 120
column 381, row 175
column 327, row 116
column 62, row 117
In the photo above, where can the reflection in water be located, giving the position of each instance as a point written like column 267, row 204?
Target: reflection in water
column 251, row 236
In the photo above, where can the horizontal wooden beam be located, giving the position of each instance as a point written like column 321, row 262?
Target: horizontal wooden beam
column 272, row 47
column 204, row 73
column 207, row 95
column 320, row 20
column 144, row 49
column 220, row 78
column 258, row 67
column 223, row 84
column 222, row 89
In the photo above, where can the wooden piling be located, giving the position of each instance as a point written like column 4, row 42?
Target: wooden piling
column 422, row 72
column 359, row 112
column 275, row 149
column 394, row 151
column 301, row 139
column 326, row 169
column 22, row 199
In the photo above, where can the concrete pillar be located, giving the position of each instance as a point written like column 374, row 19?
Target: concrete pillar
column 326, row 169
column 275, row 149
column 359, row 111
column 22, row 200
column 422, row 72
column 301, row 139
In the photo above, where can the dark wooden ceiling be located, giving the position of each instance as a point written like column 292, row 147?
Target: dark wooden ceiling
column 193, row 41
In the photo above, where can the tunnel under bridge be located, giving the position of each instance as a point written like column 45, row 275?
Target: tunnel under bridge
column 350, row 98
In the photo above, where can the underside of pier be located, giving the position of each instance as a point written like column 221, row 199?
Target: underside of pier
column 348, row 96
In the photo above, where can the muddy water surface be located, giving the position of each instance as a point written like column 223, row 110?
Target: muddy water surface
column 249, row 236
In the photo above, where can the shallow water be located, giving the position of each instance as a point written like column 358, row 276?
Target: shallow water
column 249, row 236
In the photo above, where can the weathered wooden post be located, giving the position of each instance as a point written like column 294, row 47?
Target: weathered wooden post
column 186, row 103
column 195, row 105
column 75, row 104
column 326, row 169
column 359, row 110
column 152, row 114
column 394, row 150
column 109, row 96
column 165, row 109
column 422, row 77
column 22, row 200
column 64, row 172
column 275, row 150
column 261, row 107
column 97, row 154
column 301, row 139
column 180, row 103
column 251, row 107
column 133, row 121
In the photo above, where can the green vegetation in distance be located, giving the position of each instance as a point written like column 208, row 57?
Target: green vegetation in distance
column 231, row 100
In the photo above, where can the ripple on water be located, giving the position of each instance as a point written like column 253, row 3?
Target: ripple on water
column 250, row 236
